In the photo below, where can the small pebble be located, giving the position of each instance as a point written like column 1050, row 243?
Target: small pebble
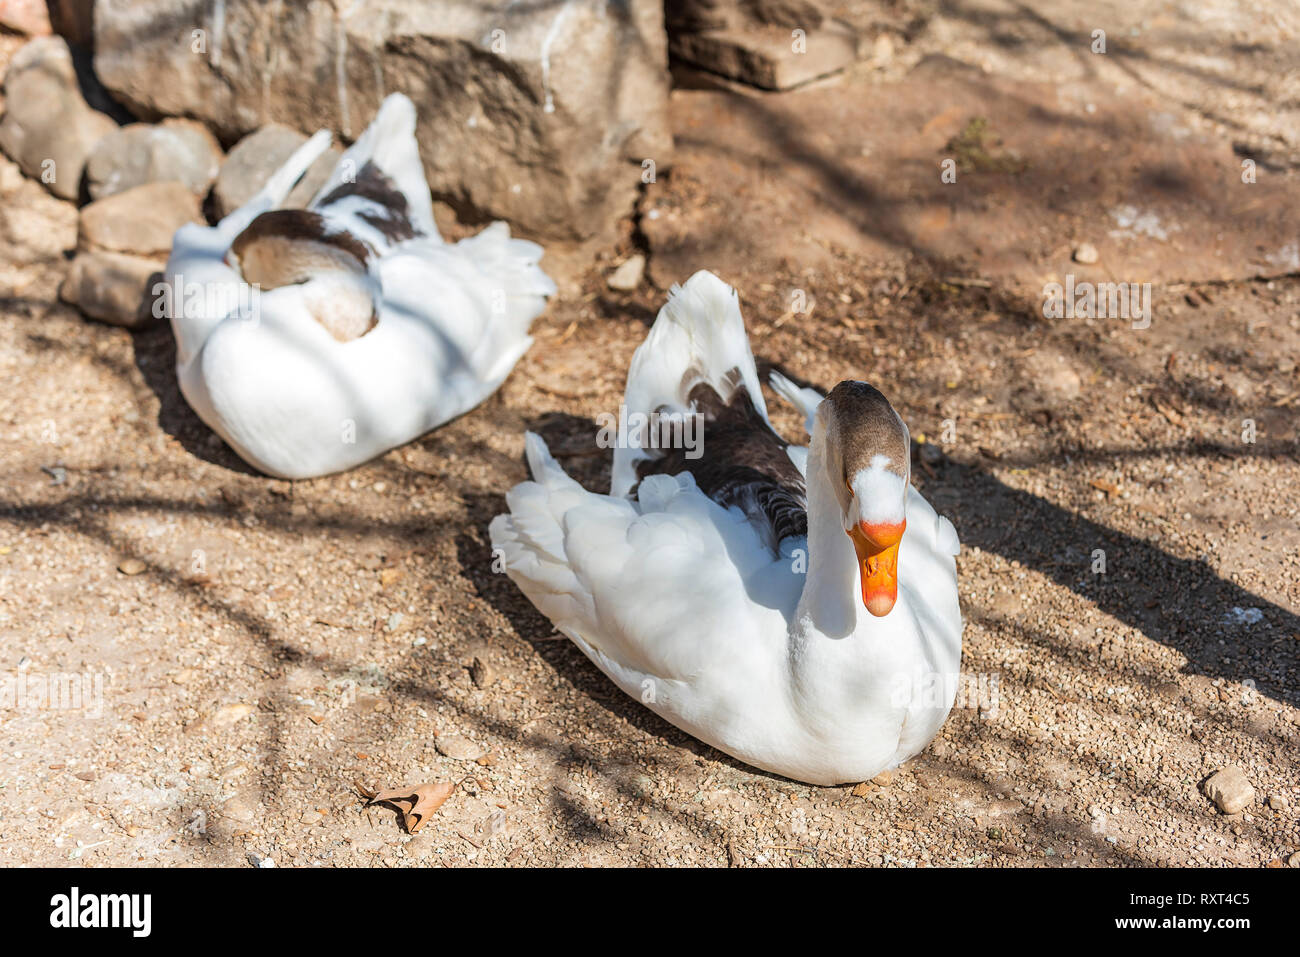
column 131, row 566
column 457, row 747
column 628, row 276
column 1085, row 253
column 231, row 713
column 482, row 673
column 1229, row 790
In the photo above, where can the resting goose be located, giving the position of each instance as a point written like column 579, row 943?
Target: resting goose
column 314, row 339
column 794, row 607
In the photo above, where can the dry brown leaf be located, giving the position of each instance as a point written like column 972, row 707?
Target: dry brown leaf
column 417, row 804
column 1172, row 415
column 1106, row 487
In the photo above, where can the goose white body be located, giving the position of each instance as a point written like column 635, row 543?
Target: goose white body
column 296, row 402
column 685, row 606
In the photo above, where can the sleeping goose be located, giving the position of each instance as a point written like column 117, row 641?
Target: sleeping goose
column 793, row 607
column 314, row 339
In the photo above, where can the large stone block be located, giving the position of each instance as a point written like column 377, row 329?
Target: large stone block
column 28, row 17
column 540, row 114
column 253, row 159
column 48, row 128
column 772, row 44
column 175, row 150
column 111, row 287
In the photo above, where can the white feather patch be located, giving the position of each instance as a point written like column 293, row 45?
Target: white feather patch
column 878, row 494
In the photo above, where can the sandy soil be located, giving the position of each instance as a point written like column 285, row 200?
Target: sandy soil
column 262, row 646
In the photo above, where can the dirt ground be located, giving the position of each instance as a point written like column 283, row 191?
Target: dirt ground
column 262, row 647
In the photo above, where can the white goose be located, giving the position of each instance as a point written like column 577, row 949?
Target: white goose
column 723, row 590
column 313, row 340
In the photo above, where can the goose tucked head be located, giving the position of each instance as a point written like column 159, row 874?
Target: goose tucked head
column 284, row 247
column 869, row 461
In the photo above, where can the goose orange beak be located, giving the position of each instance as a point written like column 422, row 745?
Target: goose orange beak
column 877, row 548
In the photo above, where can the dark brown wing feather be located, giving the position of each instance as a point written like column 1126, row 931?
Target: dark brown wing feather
column 298, row 225
column 744, row 463
column 285, row 246
column 389, row 211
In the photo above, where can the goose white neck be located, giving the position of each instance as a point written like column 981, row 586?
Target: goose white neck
column 830, row 603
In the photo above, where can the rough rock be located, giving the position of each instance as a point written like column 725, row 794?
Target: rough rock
column 710, row 14
column 111, row 287
column 34, row 226
column 141, row 220
column 767, row 57
column 804, row 14
column 11, row 177
column 242, row 808
column 457, row 747
column 230, row 714
column 1086, row 253
column 259, row 154
column 176, row 149
column 771, row 44
column 540, row 114
column 628, row 276
column 28, row 17
column 1229, row 790
column 882, row 50
column 48, row 128
column 482, row 673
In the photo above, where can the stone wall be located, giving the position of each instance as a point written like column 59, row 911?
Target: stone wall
column 538, row 113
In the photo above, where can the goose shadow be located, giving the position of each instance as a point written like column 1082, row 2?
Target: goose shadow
column 155, row 357
column 1180, row 602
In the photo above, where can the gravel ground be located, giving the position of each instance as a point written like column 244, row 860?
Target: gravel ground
column 256, row 650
